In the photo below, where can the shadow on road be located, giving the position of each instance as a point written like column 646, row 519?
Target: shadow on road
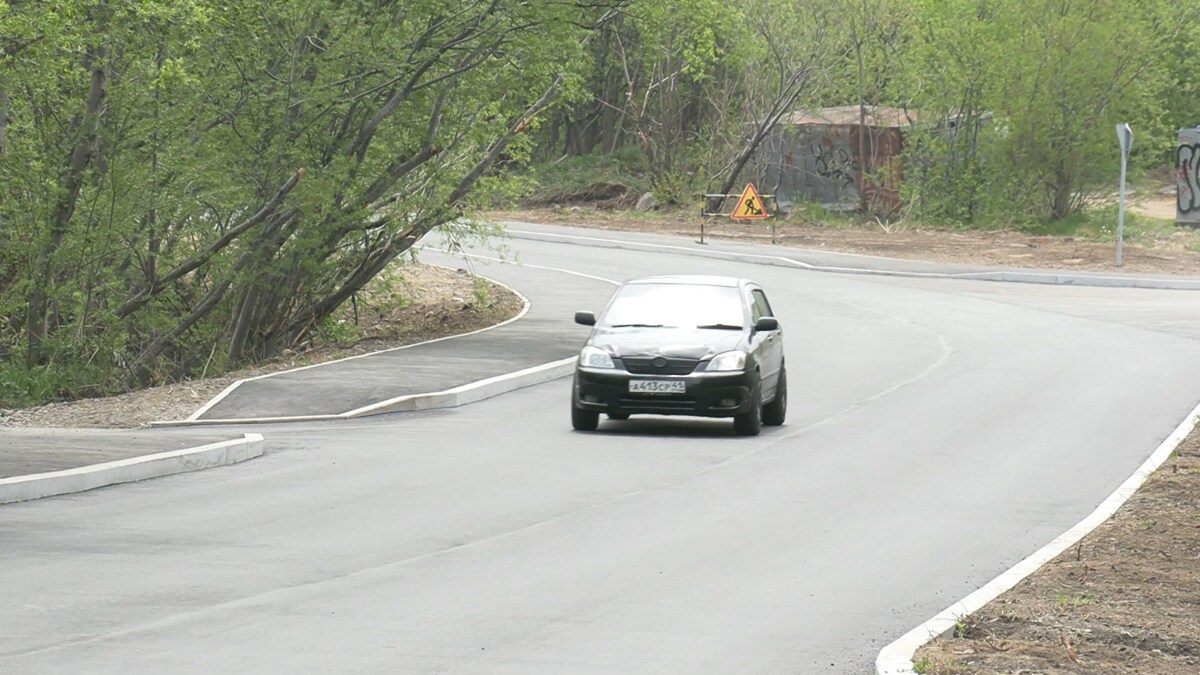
column 670, row 427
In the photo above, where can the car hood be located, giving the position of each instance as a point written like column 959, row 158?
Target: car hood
column 668, row 342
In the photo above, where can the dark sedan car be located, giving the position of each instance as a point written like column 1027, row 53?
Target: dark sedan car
column 683, row 345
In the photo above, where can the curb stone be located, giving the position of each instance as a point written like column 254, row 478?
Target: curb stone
column 80, row 479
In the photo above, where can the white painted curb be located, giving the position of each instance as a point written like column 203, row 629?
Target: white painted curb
column 38, row 485
column 1012, row 276
column 470, row 393
column 896, row 658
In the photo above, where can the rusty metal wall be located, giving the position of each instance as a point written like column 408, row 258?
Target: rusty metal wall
column 1187, row 166
column 879, row 166
column 821, row 164
column 810, row 164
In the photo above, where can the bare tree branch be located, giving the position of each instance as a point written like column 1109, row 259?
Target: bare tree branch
column 143, row 295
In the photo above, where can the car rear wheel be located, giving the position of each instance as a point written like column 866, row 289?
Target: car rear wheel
column 775, row 412
column 584, row 420
column 750, row 422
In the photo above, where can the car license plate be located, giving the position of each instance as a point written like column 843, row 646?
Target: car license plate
column 657, row 386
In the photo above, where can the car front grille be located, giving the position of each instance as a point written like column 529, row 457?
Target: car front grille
column 657, row 365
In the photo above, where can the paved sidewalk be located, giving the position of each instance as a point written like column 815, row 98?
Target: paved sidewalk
column 545, row 334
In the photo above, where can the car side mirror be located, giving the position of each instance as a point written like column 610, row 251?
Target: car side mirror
column 766, row 323
column 585, row 318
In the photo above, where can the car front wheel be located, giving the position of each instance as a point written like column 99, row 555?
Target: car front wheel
column 775, row 412
column 750, row 422
column 584, row 420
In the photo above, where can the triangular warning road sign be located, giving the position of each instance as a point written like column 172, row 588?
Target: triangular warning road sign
column 749, row 206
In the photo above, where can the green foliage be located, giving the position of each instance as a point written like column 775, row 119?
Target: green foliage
column 1035, row 89
column 127, row 210
column 337, row 330
column 482, row 291
column 672, row 188
column 581, row 172
column 1099, row 223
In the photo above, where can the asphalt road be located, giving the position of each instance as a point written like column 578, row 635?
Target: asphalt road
column 939, row 431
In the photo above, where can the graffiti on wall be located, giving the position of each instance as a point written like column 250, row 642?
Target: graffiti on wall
column 833, row 164
column 810, row 164
column 1187, row 165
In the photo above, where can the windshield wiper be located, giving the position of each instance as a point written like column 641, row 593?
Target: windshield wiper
column 636, row 325
column 719, row 326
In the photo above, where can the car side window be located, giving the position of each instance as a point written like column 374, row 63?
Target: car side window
column 761, row 306
column 755, row 307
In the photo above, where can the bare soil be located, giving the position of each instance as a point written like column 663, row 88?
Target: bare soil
column 1173, row 252
column 1125, row 600
column 411, row 304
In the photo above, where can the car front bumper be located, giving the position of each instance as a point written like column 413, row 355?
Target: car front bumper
column 706, row 395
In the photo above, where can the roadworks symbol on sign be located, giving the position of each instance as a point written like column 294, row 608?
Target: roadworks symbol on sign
column 749, row 205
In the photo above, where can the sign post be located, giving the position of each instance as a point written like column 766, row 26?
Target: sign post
column 1125, row 139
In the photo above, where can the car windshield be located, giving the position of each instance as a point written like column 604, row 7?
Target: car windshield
column 676, row 306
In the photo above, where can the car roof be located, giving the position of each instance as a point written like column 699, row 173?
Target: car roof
column 691, row 280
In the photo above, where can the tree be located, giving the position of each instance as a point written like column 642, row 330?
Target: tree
column 791, row 48
column 1079, row 68
column 231, row 172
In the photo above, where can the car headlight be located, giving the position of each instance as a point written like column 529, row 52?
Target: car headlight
column 594, row 357
column 728, row 361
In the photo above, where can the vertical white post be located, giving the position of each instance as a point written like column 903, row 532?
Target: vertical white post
column 1125, row 139
column 1121, row 214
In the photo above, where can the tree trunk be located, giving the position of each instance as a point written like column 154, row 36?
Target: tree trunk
column 241, row 324
column 140, row 370
column 82, row 155
column 5, row 106
column 761, row 131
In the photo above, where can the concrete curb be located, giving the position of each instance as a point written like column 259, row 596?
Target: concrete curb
column 450, row 398
column 470, row 393
column 896, row 658
column 38, row 485
column 221, row 396
column 1010, row 276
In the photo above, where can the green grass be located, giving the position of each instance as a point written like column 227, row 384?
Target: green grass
column 1075, row 600
column 572, row 174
